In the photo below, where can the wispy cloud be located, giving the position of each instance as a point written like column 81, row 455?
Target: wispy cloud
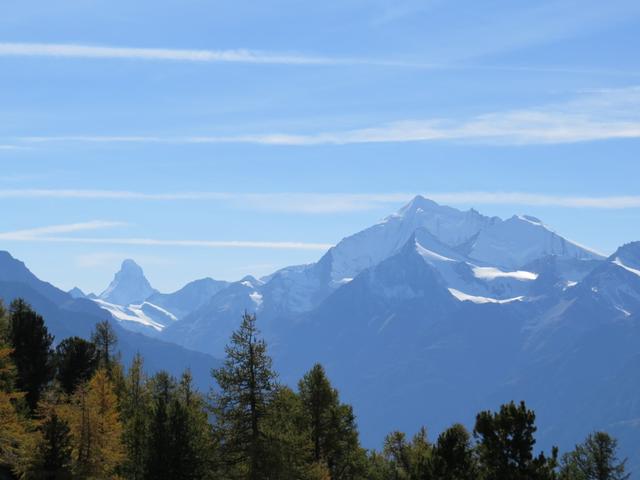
column 49, row 234
column 594, row 115
column 39, row 232
column 327, row 203
column 62, row 50
column 249, row 56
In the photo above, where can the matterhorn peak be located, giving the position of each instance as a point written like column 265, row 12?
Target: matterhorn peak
column 128, row 286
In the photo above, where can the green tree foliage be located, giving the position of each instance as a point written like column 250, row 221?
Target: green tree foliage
column 159, row 444
column 407, row 460
column 76, row 362
column 246, row 384
column 594, row 459
column 190, row 432
column 32, row 353
column 289, row 444
column 53, row 452
column 506, row 441
column 179, row 441
column 332, row 426
column 396, row 453
column 453, row 455
column 135, row 408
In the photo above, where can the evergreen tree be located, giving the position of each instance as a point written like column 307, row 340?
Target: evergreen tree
column 32, row 353
column 158, row 457
column 319, row 398
column 453, row 456
column 246, row 384
column 420, row 453
column 190, row 432
column 396, row 453
column 594, row 459
column 332, row 425
column 135, row 407
column 53, row 452
column 290, row 452
column 105, row 339
column 76, row 362
column 505, row 447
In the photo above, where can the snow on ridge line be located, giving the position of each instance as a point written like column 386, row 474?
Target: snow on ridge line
column 156, row 307
column 119, row 313
column 619, row 263
column 424, row 252
column 491, row 273
column 476, row 299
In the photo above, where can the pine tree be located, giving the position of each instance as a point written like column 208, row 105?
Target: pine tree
column 594, row 459
column 189, row 430
column 135, row 406
column 53, row 452
column 158, row 456
column 396, row 452
column 453, row 457
column 506, row 441
column 198, row 443
column 32, row 353
column 246, row 384
column 76, row 362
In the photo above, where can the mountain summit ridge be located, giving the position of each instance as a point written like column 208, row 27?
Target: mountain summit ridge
column 129, row 285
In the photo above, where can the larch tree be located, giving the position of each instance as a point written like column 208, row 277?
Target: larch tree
column 246, row 384
column 105, row 339
column 96, row 429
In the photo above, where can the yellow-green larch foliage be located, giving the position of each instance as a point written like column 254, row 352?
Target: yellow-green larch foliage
column 16, row 434
column 96, row 429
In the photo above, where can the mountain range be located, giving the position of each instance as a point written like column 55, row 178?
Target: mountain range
column 425, row 318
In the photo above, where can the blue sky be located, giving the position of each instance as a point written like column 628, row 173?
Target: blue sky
column 222, row 138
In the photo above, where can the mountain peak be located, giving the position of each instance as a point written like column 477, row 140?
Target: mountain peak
column 75, row 292
column 128, row 286
column 129, row 264
column 419, row 203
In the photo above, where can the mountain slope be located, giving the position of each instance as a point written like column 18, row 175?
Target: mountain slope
column 66, row 316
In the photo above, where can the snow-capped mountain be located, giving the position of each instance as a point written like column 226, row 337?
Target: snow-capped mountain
column 67, row 316
column 129, row 285
column 131, row 300
column 480, row 259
